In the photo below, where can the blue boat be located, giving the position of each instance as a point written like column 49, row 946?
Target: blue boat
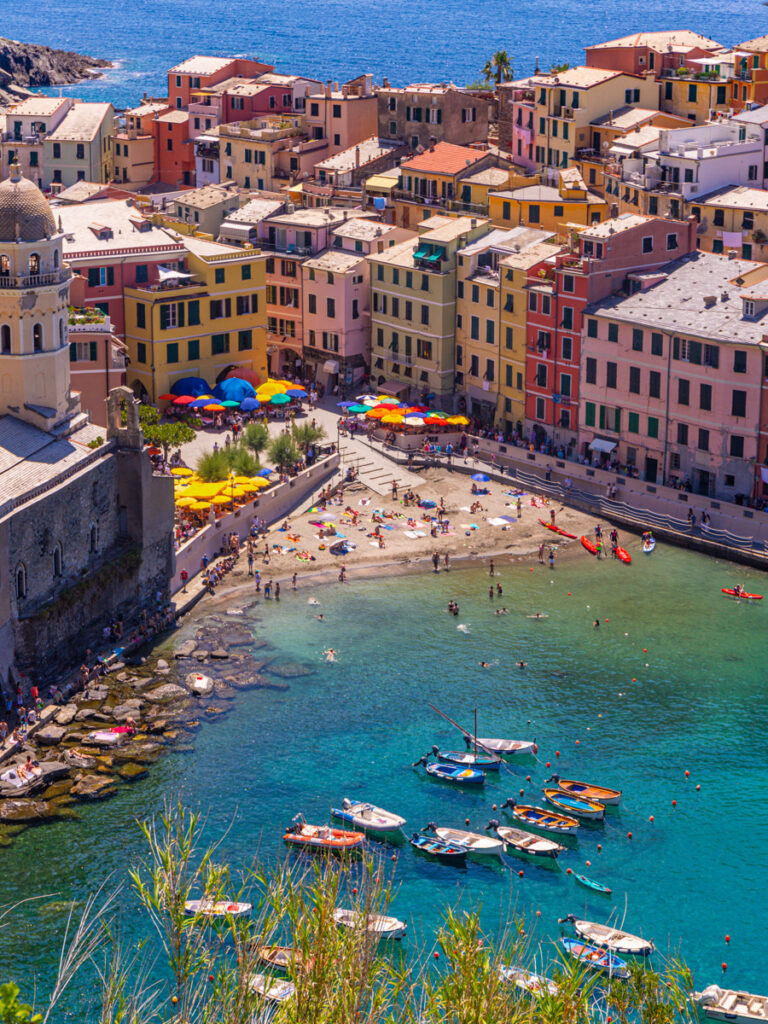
column 456, row 774
column 448, row 853
column 578, row 805
column 468, row 759
column 595, row 958
column 595, row 886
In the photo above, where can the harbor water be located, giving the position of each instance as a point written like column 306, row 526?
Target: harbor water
column 671, row 682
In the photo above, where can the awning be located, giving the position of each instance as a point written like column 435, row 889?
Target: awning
column 393, row 387
column 599, row 445
column 382, row 182
column 165, row 274
column 330, row 366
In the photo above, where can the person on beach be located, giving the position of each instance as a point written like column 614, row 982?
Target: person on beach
column 552, row 516
column 446, row 565
column 541, row 554
column 293, row 581
column 435, row 562
column 277, row 591
column 268, row 590
column 551, row 558
column 519, row 509
column 250, row 560
column 491, row 569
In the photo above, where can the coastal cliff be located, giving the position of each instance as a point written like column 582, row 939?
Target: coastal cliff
column 27, row 65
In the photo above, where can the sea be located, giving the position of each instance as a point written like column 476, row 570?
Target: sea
column 414, row 41
column 664, row 700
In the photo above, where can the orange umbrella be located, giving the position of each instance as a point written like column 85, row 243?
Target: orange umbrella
column 214, row 407
column 377, row 412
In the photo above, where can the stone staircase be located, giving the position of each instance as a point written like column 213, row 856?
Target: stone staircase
column 375, row 470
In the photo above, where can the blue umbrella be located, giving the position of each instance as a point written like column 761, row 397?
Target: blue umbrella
column 265, row 472
column 234, row 389
column 200, row 403
column 249, row 404
column 194, row 386
column 481, row 478
column 295, row 393
column 342, row 405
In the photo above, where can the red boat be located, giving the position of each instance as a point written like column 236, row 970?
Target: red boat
column 321, row 837
column 557, row 529
column 587, row 543
column 623, row 555
column 732, row 592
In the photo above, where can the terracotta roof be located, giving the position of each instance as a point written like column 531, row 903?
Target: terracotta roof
column 758, row 45
column 445, row 158
column 676, row 39
column 201, row 65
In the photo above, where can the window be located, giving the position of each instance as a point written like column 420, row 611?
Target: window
column 567, row 348
column 425, row 316
column 337, row 110
column 142, row 273
column 653, row 203
column 613, row 332
column 5, row 338
column 534, row 214
column 37, row 337
column 172, row 352
column 739, row 361
column 220, row 344
column 589, row 414
column 654, row 384
column 490, row 370
column 474, row 328
column 57, row 151
column 141, row 315
column 541, row 375
column 474, row 366
column 569, row 283
column 532, row 304
column 559, row 211
column 737, row 446
column 355, row 309
column 490, row 332
column 703, row 444
column 193, row 349
column 653, row 426
column 546, row 304
column 637, row 340
column 691, row 92
column 314, row 109
column 219, row 275
column 541, row 408
column 739, row 403
column 98, row 277
column 312, row 302
column 244, row 341
column 489, row 299
column 633, row 426
column 330, row 308
column 565, row 385
column 648, row 243
column 634, row 380
column 719, row 218
column 672, row 241
column 591, row 370
column 141, row 352
column 423, row 349
column 610, row 375
column 683, row 392
column 21, row 582
column 705, row 397
column 752, row 172
column 591, row 328
column 682, row 433
column 657, row 344
column 193, row 311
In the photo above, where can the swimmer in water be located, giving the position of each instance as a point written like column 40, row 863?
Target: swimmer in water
column 484, row 664
column 597, row 624
column 522, row 664
column 313, row 600
column 320, row 618
column 463, row 627
column 330, row 654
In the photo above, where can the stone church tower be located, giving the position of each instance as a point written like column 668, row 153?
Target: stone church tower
column 34, row 294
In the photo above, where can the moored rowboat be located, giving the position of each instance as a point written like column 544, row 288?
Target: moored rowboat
column 468, row 759
column 505, row 748
column 217, row 908
column 611, row 938
column 541, row 818
column 472, row 841
column 280, row 958
column 533, row 984
column 728, row 1004
column 588, row 883
column 577, row 805
column 597, row 959
column 271, row 989
column 602, row 794
column 378, row 925
column 456, row 774
column 368, row 817
column 448, row 853
column 321, row 837
column 517, row 840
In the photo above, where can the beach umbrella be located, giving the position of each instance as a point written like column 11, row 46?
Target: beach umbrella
column 249, row 404
column 345, row 405
column 234, row 389
column 433, row 421
column 199, row 506
column 258, row 482
column 480, row 478
column 166, row 398
column 459, row 421
column 366, row 398
column 185, row 502
column 377, row 413
column 220, row 499
column 414, row 421
column 388, row 401
column 182, row 471
column 296, row 393
column 214, row 407
column 265, row 472
column 183, row 400
column 279, row 400
column 392, row 417
column 194, row 386
column 285, row 383
column 358, row 408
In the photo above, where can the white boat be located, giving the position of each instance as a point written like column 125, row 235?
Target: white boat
column 502, row 747
column 217, row 908
column 368, row 817
column 610, row 938
column 517, row 840
column 200, row 685
column 648, row 545
column 533, row 984
column 473, row 842
column 728, row 1004
column 270, row 988
column 378, row 925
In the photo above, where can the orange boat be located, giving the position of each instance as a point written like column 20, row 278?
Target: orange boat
column 321, row 837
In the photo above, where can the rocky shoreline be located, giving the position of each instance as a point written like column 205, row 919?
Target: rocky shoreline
column 25, row 66
column 80, row 759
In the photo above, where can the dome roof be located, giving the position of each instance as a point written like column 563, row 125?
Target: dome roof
column 24, row 210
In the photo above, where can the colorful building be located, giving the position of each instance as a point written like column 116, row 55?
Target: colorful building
column 733, row 219
column 80, row 147
column 175, row 155
column 25, row 125
column 198, row 73
column 134, row 144
column 672, row 375
column 265, row 154
column 548, row 208
column 204, row 209
column 96, row 355
column 199, row 322
column 660, row 52
column 422, row 114
column 342, row 117
column 351, row 167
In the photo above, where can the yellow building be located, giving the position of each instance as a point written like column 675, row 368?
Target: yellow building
column 697, row 96
column 733, row 218
column 413, row 309
column 552, row 209
column 200, row 324
column 513, row 329
column 437, row 177
column 133, row 145
column 262, row 154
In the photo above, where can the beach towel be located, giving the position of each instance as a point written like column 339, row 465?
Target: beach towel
column 500, row 521
column 413, row 534
column 469, row 526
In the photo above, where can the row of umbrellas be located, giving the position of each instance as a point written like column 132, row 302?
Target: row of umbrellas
column 389, row 411
column 231, row 393
column 190, row 492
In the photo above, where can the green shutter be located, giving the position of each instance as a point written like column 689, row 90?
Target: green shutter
column 72, row 352
column 194, row 312
column 589, row 414
column 163, row 318
column 180, row 314
column 110, row 275
column 93, row 351
column 93, row 277
column 602, row 417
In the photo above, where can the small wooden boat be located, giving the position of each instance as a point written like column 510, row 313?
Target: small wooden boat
column 588, row 883
column 198, row 684
column 456, row 774
column 577, row 805
column 280, row 958
column 540, row 817
column 611, row 938
column 597, row 959
column 587, row 543
column 557, row 529
column 623, row 555
column 517, row 840
column 648, row 545
column 368, row 817
column 217, row 908
column 377, row 925
column 742, row 595
column 474, row 842
column 321, row 837
column 270, row 988
column 447, row 853
column 731, row 1005
column 527, row 981
column 601, row 794
column 505, row 748
column 468, row 759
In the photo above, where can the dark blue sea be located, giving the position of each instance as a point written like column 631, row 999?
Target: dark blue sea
column 426, row 41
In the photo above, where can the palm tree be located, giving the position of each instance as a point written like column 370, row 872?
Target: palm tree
column 498, row 68
column 256, row 437
column 282, row 451
column 305, row 435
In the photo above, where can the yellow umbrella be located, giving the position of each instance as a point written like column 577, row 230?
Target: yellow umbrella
column 258, row 481
column 182, row 471
column 392, row 418
column 199, row 506
column 185, row 502
column 220, row 499
column 242, row 479
column 458, row 421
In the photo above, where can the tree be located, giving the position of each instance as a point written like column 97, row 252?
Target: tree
column 498, row 68
column 213, row 467
column 305, row 435
column 256, row 437
column 241, row 461
column 282, row 451
column 168, row 435
column 557, row 69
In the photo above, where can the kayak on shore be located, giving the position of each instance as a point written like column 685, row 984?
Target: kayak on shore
column 557, row 529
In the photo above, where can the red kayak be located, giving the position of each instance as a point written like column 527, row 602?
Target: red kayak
column 557, row 529
column 623, row 555
column 587, row 543
column 730, row 592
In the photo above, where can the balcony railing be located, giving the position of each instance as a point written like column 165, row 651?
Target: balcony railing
column 34, row 280
column 286, row 248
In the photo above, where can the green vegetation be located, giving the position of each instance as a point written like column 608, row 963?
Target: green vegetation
column 97, row 442
column 340, row 975
column 498, row 69
column 557, row 69
column 282, row 451
column 218, row 465
column 305, row 435
column 255, row 437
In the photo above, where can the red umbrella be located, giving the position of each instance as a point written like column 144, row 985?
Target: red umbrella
column 183, row 400
column 166, row 398
column 433, row 421
column 243, row 374
column 153, row 450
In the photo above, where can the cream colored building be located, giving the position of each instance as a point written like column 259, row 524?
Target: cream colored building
column 25, row 126
column 80, row 149
column 204, row 209
column 133, row 145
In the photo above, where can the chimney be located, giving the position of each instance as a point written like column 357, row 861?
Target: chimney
column 473, row 222
column 385, row 83
column 357, row 156
column 345, row 90
column 432, row 141
column 732, row 254
column 328, row 90
column 335, row 86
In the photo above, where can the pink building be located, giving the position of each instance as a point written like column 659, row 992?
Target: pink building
column 671, row 375
column 517, row 121
column 660, row 52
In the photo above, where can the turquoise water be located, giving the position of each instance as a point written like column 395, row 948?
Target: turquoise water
column 429, row 41
column 353, row 728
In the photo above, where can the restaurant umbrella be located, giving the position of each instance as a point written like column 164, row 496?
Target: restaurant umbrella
column 377, row 413
column 199, row 506
column 182, row 471
column 194, row 386
column 345, row 405
column 358, row 409
column 234, row 389
column 200, row 403
column 229, row 403
column 183, row 400
column 249, row 404
column 279, row 400
column 265, row 472
column 392, row 417
column 213, row 407
column 296, row 393
column 166, row 398
column 220, row 499
column 185, row 502
column 480, row 478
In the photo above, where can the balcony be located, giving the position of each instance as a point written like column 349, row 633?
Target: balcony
column 286, row 248
column 34, row 280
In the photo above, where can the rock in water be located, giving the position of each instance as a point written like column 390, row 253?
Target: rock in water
column 94, row 787
column 66, row 715
column 165, row 693
column 50, row 735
